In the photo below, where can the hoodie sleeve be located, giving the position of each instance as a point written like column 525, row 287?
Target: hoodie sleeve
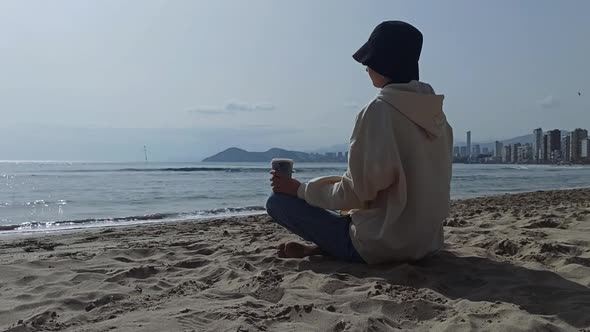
column 373, row 165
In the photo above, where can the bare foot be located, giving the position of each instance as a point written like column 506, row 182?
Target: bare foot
column 297, row 250
column 281, row 250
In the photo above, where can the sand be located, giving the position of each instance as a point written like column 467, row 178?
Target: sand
column 512, row 263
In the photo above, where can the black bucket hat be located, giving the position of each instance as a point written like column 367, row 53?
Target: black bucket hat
column 393, row 50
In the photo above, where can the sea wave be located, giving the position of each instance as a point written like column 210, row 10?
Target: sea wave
column 556, row 168
column 79, row 223
column 196, row 169
column 514, row 167
column 37, row 202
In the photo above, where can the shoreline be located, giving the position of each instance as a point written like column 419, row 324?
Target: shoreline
column 104, row 224
column 142, row 220
column 516, row 262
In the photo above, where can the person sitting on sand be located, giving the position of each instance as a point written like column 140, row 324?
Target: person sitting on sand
column 397, row 185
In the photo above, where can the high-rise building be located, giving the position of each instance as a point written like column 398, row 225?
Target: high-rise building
column 498, row 150
column 514, row 148
column 576, row 138
column 469, row 143
column 476, row 150
column 545, row 148
column 506, row 154
column 585, row 149
column 554, row 145
column 485, row 151
column 525, row 153
column 464, row 151
column 456, row 151
column 528, row 152
column 566, row 154
column 537, row 143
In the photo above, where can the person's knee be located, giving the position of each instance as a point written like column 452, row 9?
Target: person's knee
column 281, row 208
column 274, row 203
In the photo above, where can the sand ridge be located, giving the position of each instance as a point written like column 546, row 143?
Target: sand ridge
column 511, row 263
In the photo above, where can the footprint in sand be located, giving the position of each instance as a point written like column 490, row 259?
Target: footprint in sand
column 341, row 326
column 507, row 248
column 141, row 272
column 455, row 222
column 584, row 261
column 558, row 248
column 545, row 223
column 191, row 263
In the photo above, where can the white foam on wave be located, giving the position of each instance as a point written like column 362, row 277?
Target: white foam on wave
column 53, row 226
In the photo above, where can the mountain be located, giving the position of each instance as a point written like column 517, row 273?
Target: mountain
column 239, row 155
column 520, row 139
column 333, row 148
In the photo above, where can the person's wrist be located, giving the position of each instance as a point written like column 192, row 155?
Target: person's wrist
column 301, row 191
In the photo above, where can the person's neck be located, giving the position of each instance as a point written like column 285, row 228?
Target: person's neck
column 394, row 82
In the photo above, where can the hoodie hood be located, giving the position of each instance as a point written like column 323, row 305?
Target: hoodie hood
column 418, row 102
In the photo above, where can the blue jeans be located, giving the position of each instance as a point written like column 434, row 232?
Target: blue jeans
column 327, row 229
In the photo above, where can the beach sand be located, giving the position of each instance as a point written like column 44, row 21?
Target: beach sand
column 512, row 263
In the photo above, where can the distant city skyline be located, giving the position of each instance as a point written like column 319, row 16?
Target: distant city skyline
column 550, row 147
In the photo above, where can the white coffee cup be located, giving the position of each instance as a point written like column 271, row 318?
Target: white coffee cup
column 282, row 166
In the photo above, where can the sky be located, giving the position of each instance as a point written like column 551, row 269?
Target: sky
column 98, row 80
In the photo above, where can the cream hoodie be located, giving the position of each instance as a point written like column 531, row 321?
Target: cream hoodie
column 397, row 184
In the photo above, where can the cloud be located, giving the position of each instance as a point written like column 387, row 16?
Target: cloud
column 548, row 102
column 206, row 110
column 243, row 107
column 234, row 107
column 352, row 106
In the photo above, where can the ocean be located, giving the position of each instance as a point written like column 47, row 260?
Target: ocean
column 42, row 196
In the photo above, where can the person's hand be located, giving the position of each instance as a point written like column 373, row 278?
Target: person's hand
column 284, row 185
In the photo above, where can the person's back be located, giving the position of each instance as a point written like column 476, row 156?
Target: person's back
column 404, row 221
